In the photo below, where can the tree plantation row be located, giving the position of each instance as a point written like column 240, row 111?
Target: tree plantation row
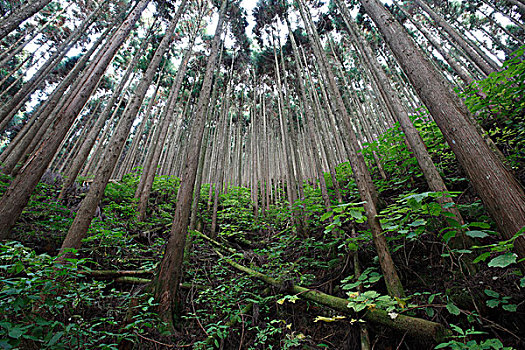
column 302, row 175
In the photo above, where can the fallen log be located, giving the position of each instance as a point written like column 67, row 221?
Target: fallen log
column 132, row 280
column 413, row 326
column 116, row 273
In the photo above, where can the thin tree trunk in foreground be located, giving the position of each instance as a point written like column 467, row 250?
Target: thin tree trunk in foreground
column 432, row 176
column 366, row 187
column 169, row 275
column 149, row 176
column 87, row 146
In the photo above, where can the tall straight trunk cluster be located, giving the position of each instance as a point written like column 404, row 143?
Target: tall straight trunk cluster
column 17, row 195
column 486, row 64
column 500, row 192
column 86, row 212
column 361, row 174
column 11, row 22
column 148, row 175
column 18, row 100
column 393, row 102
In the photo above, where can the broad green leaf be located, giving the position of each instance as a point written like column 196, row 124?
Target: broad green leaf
column 492, row 303
column 434, row 209
column 482, row 257
column 479, row 225
column 413, row 203
column 326, row 216
column 16, row 332
column 510, row 307
column 453, row 309
column 491, row 293
column 418, row 222
column 448, row 236
column 503, row 260
column 476, row 234
column 356, row 214
column 55, row 338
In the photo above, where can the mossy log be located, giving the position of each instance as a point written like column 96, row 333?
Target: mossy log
column 117, row 273
column 413, row 326
column 132, row 280
column 129, row 277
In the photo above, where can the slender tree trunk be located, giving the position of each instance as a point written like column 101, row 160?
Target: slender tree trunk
column 21, row 144
column 170, row 270
column 308, row 115
column 222, row 164
column 290, row 175
column 14, row 104
column 15, row 18
column 486, row 66
column 87, row 146
column 455, row 65
column 159, row 145
column 15, row 50
column 362, row 176
column 432, row 176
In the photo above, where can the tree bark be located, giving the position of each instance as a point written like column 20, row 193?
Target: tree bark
column 87, row 146
column 159, row 145
column 362, row 176
column 16, row 102
column 482, row 63
column 432, row 176
column 43, row 115
column 455, row 65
